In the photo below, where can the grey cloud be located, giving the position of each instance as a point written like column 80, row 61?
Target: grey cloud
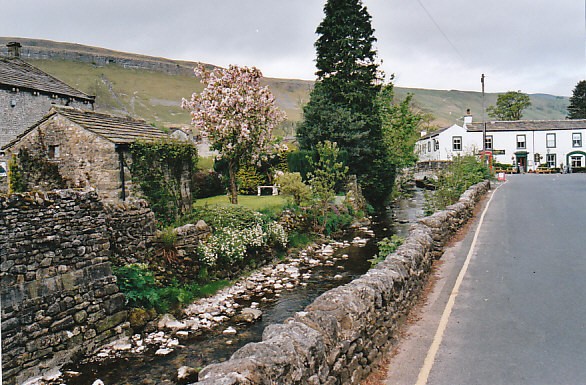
column 535, row 46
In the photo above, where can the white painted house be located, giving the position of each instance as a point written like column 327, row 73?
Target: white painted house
column 526, row 144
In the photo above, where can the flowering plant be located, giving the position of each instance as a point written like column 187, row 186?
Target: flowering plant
column 237, row 115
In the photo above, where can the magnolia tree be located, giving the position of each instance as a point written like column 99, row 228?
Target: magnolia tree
column 236, row 114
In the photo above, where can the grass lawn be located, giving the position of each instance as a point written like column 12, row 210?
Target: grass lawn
column 253, row 202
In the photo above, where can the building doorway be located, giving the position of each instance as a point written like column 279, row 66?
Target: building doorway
column 521, row 161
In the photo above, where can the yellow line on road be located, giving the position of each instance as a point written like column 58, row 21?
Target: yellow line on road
column 439, row 334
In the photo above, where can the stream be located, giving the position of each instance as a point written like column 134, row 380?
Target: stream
column 214, row 346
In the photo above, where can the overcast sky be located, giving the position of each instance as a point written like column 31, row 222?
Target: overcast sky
column 536, row 46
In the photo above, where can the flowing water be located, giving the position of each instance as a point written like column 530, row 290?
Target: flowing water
column 214, row 346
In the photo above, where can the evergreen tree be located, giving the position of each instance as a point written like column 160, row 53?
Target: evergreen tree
column 342, row 106
column 577, row 107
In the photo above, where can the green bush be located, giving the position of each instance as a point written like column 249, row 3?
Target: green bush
column 463, row 172
column 248, row 179
column 141, row 289
column 291, row 184
column 208, row 183
column 387, row 246
column 299, row 239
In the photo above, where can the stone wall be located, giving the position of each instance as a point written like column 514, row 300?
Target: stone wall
column 59, row 297
column 84, row 159
column 131, row 229
column 27, row 110
column 345, row 331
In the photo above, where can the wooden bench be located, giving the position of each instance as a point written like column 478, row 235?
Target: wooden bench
column 543, row 171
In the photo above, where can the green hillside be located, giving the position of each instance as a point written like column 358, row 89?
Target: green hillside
column 154, row 91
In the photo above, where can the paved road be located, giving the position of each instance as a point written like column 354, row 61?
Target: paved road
column 519, row 316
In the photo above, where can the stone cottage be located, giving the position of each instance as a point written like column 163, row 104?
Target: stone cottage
column 90, row 148
column 27, row 94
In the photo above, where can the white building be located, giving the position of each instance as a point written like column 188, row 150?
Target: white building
column 524, row 143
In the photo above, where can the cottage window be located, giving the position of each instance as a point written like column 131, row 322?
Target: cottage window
column 436, row 145
column 3, row 169
column 457, row 143
column 488, row 142
column 53, row 152
column 577, row 139
column 550, row 140
column 550, row 159
column 521, row 141
column 428, row 146
column 576, row 161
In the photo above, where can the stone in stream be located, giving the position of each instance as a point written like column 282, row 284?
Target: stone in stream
column 229, row 331
column 163, row 352
column 186, row 373
column 167, row 321
column 248, row 315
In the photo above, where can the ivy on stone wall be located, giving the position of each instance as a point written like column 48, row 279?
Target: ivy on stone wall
column 163, row 169
column 30, row 170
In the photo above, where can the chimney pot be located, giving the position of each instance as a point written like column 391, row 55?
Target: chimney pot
column 14, row 48
column 468, row 117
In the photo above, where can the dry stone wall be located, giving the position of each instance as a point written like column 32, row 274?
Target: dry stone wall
column 59, row 297
column 131, row 229
column 340, row 336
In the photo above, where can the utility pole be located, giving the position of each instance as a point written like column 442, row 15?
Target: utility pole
column 484, row 159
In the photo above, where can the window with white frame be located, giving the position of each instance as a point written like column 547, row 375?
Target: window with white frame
column 551, row 160
column 577, row 139
column 456, row 143
column 488, row 142
column 521, row 142
column 576, row 161
column 550, row 140
column 429, row 146
column 436, row 145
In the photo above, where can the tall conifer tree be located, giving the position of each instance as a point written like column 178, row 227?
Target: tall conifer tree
column 342, row 106
column 577, row 107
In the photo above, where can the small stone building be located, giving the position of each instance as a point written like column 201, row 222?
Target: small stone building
column 90, row 148
column 27, row 94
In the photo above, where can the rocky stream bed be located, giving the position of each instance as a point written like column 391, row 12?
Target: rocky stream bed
column 213, row 328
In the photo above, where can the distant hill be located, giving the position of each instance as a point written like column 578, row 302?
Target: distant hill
column 151, row 88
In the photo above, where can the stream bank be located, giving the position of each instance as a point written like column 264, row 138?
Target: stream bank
column 215, row 327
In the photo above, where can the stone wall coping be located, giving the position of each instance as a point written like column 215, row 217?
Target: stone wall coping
column 344, row 331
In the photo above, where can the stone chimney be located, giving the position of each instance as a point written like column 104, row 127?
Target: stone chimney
column 14, row 49
column 468, row 117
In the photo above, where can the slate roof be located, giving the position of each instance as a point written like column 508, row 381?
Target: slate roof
column 529, row 125
column 116, row 129
column 18, row 73
column 433, row 133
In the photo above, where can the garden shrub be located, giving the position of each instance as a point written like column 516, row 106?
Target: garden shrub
column 208, row 183
column 141, row 289
column 248, row 179
column 291, row 184
column 463, row 172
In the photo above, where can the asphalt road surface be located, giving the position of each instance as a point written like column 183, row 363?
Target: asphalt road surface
column 509, row 304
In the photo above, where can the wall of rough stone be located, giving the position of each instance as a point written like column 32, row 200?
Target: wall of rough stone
column 59, row 297
column 27, row 110
column 340, row 336
column 85, row 159
column 131, row 228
